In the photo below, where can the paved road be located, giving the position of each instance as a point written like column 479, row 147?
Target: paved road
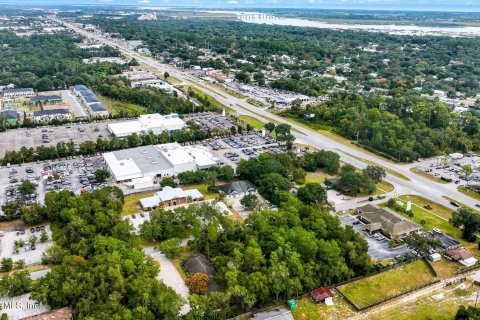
column 417, row 185
column 170, row 276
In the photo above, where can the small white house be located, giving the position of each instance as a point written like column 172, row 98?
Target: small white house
column 434, row 257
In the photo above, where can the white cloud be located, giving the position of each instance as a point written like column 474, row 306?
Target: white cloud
column 144, row 1
column 232, row 1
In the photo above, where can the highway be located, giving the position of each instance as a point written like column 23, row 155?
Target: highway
column 417, row 184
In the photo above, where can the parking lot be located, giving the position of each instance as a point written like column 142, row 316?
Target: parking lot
column 377, row 246
column 74, row 174
column 211, row 121
column 31, row 254
column 13, row 140
column 450, row 168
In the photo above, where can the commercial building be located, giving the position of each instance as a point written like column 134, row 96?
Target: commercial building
column 91, row 101
column 169, row 197
column 53, row 114
column 165, row 160
column 155, row 123
column 18, row 93
column 98, row 110
column 388, row 222
column 45, row 100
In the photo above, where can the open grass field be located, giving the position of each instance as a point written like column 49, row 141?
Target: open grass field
column 212, row 100
column 203, row 190
column 132, row 204
column 375, row 288
column 116, row 107
column 473, row 194
column 428, row 176
column 436, row 208
column 307, row 310
column 446, row 268
column 257, row 124
column 439, row 305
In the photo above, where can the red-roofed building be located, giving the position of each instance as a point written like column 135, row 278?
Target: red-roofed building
column 321, row 294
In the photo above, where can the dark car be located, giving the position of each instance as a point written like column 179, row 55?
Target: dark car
column 32, row 230
column 453, row 203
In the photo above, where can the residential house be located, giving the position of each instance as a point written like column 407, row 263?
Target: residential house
column 462, row 256
column 388, row 222
column 322, row 294
column 201, row 264
column 53, row 114
column 169, row 197
column 45, row 100
column 238, row 189
column 18, row 93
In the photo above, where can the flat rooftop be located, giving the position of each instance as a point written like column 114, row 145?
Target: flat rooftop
column 147, row 158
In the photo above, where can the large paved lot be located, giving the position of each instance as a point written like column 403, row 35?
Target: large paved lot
column 13, row 140
column 377, row 249
column 25, row 253
column 67, row 170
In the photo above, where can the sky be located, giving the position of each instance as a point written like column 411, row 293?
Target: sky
column 449, row 5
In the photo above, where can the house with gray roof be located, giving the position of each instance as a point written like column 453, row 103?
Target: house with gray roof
column 238, row 189
column 201, row 264
column 18, row 93
column 48, row 115
column 388, row 222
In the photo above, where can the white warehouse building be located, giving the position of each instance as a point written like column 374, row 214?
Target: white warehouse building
column 154, row 122
column 165, row 160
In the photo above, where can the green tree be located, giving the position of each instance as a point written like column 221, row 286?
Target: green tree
column 375, row 173
column 312, row 193
column 27, row 187
column 168, row 182
column 270, row 184
column 249, row 201
column 101, row 175
column 7, row 265
column 170, row 248
column 469, row 221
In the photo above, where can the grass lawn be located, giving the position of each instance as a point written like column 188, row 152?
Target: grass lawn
column 440, row 305
column 173, row 80
column 318, row 176
column 372, row 289
column 203, row 190
column 468, row 192
column 212, row 100
column 307, row 310
column 255, row 103
column 383, row 187
column 257, row 124
column 446, row 268
column 132, row 203
column 462, row 204
column 436, row 208
column 428, row 176
column 115, row 107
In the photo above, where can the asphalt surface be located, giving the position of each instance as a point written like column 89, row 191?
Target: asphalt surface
column 416, row 185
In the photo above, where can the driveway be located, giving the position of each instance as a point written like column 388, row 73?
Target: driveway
column 170, row 276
